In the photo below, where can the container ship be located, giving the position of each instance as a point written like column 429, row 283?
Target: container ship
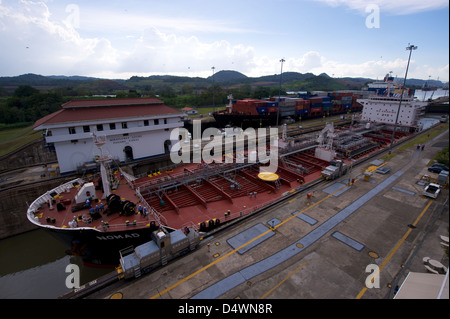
column 262, row 113
column 391, row 103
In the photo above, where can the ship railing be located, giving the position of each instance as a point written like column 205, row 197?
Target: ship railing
column 156, row 215
column 189, row 224
column 46, row 197
column 191, row 175
column 247, row 211
column 299, row 147
column 129, row 178
column 133, row 223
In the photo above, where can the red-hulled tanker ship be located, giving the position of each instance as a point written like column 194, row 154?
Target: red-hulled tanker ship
column 98, row 216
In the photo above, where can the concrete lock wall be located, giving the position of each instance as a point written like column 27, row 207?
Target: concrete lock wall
column 30, row 154
column 13, row 207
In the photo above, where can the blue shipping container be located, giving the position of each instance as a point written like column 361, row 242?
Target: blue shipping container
column 302, row 112
column 261, row 110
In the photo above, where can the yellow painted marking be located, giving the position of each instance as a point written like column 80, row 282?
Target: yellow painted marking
column 281, row 282
column 268, row 177
column 117, row 295
column 373, row 168
column 396, row 247
column 373, row 254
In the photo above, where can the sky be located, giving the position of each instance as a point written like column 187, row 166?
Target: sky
column 118, row 39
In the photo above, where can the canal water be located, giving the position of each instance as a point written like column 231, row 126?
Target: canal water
column 425, row 95
column 33, row 266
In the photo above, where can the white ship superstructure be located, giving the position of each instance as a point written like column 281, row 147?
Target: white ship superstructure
column 382, row 107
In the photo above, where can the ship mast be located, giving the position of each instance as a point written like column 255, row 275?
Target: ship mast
column 99, row 141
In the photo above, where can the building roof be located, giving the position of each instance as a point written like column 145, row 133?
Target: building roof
column 111, row 102
column 103, row 109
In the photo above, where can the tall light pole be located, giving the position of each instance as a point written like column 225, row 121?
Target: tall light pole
column 410, row 47
column 279, row 92
column 214, row 102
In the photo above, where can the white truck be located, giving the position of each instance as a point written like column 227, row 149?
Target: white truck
column 432, row 190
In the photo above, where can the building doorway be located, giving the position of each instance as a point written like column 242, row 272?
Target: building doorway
column 128, row 150
column 167, row 146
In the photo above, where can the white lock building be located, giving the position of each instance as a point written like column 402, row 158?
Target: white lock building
column 134, row 128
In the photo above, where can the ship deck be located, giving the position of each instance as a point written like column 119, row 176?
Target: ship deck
column 58, row 217
column 196, row 193
column 191, row 195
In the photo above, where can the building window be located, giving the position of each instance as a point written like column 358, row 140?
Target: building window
column 124, row 125
column 156, row 122
column 165, row 121
column 112, row 126
column 72, row 130
column 145, row 122
column 99, row 127
column 86, row 129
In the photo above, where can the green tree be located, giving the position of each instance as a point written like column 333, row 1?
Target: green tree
column 25, row 91
column 261, row 92
column 245, row 90
column 186, row 89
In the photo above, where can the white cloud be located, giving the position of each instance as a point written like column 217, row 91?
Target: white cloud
column 316, row 63
column 397, row 7
column 157, row 52
column 39, row 43
column 36, row 43
column 33, row 40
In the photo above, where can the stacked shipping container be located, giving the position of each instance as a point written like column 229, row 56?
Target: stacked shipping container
column 251, row 112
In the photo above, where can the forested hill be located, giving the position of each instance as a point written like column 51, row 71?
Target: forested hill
column 28, row 97
column 224, row 78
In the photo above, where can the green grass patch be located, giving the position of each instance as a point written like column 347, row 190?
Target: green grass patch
column 441, row 157
column 207, row 110
column 422, row 139
column 14, row 138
